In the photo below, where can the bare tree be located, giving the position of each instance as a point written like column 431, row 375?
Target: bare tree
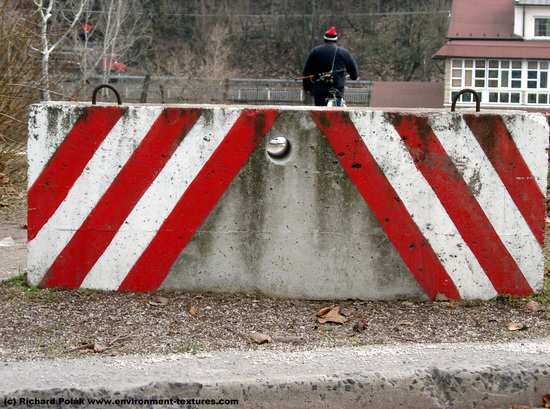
column 112, row 27
column 57, row 19
column 122, row 25
column 206, row 72
column 399, row 45
column 21, row 79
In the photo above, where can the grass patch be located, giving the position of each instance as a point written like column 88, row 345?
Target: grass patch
column 18, row 282
column 543, row 297
column 511, row 300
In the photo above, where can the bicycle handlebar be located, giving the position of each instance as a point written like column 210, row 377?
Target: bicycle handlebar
column 327, row 74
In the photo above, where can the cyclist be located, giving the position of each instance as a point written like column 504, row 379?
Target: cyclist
column 326, row 58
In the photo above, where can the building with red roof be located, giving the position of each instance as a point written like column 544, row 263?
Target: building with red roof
column 500, row 49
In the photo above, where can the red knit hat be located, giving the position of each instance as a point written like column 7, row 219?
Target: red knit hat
column 331, row 35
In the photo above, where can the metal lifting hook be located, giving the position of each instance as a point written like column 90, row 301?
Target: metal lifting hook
column 94, row 94
column 476, row 96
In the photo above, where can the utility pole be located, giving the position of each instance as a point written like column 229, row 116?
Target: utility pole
column 313, row 26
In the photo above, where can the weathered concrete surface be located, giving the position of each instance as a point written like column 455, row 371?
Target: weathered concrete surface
column 367, row 204
column 413, row 376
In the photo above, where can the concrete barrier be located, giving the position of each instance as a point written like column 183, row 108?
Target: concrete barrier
column 364, row 204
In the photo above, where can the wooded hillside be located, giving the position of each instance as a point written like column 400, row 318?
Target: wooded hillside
column 390, row 39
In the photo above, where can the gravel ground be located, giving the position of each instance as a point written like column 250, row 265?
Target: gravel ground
column 41, row 324
column 44, row 324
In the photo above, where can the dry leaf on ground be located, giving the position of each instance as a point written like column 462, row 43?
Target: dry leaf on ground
column 515, row 326
column 332, row 315
column 441, row 297
column 260, row 338
column 101, row 347
column 323, row 311
column 359, row 326
column 192, row 311
column 532, row 306
column 159, row 301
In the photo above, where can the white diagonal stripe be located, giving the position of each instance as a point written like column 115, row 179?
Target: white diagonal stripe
column 526, row 131
column 392, row 155
column 96, row 178
column 47, row 130
column 491, row 193
column 160, row 199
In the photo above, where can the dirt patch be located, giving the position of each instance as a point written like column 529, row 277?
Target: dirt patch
column 40, row 324
column 13, row 222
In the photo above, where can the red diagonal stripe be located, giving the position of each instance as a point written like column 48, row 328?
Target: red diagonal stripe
column 377, row 191
column 461, row 205
column 503, row 153
column 65, row 166
column 90, row 241
column 198, row 200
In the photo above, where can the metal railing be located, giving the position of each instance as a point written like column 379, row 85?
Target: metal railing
column 236, row 90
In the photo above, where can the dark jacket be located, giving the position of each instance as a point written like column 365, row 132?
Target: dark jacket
column 320, row 61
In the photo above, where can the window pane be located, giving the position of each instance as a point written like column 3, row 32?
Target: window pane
column 505, row 64
column 516, row 84
column 532, row 98
column 467, row 97
column 516, row 64
column 493, row 73
column 468, row 81
column 516, row 74
column 532, row 74
column 457, row 73
column 493, row 84
column 543, row 98
column 480, row 73
column 480, row 83
column 514, row 98
column 543, row 65
column 532, row 65
column 480, row 63
column 504, row 97
column 543, row 79
column 504, row 79
column 493, row 64
column 457, row 63
column 542, row 27
column 493, row 96
column 469, row 63
column 532, row 84
column 457, row 83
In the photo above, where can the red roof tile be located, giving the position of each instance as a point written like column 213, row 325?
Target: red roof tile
column 484, row 20
column 539, row 50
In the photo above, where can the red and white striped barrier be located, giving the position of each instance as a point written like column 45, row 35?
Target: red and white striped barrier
column 367, row 204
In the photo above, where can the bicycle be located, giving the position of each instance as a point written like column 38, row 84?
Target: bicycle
column 327, row 78
column 333, row 101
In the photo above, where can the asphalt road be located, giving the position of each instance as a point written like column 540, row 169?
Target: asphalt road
column 412, row 376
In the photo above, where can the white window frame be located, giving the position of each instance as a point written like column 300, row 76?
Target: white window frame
column 538, row 18
column 498, row 82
